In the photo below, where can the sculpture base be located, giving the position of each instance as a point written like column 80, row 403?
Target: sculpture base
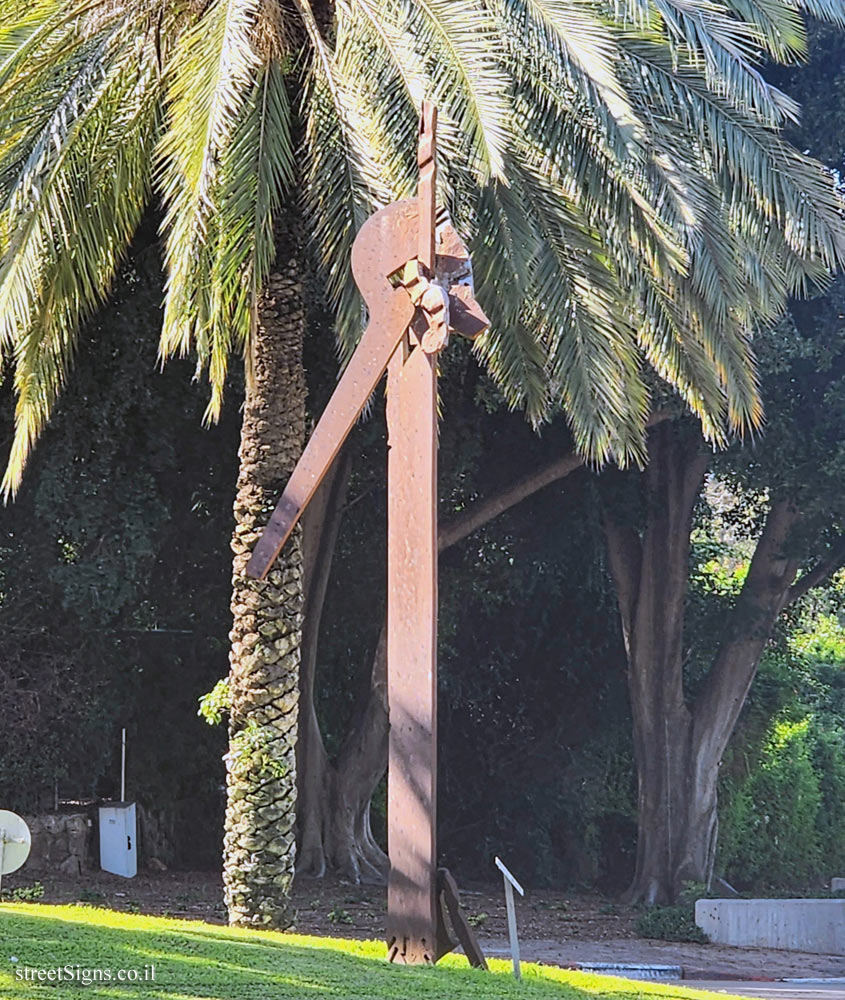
column 424, row 945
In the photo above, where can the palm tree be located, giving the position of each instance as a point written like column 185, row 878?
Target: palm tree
column 634, row 215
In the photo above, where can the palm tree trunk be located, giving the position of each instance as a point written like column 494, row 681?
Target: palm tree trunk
column 259, row 844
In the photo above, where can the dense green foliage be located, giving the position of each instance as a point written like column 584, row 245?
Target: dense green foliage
column 670, row 923
column 196, row 960
column 784, row 784
column 138, row 640
column 115, row 583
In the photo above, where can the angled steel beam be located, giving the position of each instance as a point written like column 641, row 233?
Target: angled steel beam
column 386, row 242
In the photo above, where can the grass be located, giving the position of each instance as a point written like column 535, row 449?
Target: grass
column 207, row 962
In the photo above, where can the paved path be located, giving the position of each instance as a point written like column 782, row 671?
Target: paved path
column 773, row 991
column 703, row 961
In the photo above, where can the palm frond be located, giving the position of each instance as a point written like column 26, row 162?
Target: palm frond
column 256, row 169
column 780, row 25
column 339, row 173
column 789, row 189
column 832, row 11
column 727, row 51
column 459, row 42
column 569, row 47
column 503, row 248
column 578, row 310
column 72, row 216
column 18, row 23
column 225, row 158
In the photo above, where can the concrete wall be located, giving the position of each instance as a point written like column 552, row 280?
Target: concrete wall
column 814, row 925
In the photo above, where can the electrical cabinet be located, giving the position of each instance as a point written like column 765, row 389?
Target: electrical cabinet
column 118, row 839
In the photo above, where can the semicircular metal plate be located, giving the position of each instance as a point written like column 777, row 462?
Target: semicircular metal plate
column 15, row 842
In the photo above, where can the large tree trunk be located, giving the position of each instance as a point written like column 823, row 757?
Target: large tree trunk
column 320, row 526
column 333, row 812
column 349, row 847
column 259, row 845
column 678, row 747
column 651, row 577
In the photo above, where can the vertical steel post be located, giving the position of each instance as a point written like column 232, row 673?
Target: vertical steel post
column 412, row 618
column 412, row 654
column 427, row 196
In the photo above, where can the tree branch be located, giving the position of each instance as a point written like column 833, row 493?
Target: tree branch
column 625, row 554
column 819, row 573
column 749, row 626
column 480, row 512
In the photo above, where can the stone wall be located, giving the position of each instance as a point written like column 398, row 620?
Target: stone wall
column 61, row 842
column 69, row 841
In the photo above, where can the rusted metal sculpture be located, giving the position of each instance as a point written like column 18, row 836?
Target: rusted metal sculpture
column 416, row 280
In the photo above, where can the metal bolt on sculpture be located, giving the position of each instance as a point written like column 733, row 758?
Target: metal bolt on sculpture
column 416, row 281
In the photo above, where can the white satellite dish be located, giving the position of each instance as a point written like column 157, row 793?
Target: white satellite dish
column 15, row 842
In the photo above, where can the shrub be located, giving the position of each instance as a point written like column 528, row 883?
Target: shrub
column 670, row 923
column 24, row 893
column 781, row 823
column 829, row 764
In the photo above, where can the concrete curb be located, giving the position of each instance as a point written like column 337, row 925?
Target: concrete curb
column 708, row 975
column 631, row 970
column 814, row 979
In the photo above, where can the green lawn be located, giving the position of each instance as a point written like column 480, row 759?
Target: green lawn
column 197, row 960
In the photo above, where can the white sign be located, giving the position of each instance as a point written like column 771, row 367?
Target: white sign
column 501, row 866
column 511, row 884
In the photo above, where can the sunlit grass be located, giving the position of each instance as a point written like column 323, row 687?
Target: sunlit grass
column 197, row 961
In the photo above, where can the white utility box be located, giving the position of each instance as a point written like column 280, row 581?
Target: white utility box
column 118, row 839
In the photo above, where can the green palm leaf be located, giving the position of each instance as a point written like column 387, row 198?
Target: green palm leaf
column 612, row 161
column 78, row 202
column 210, row 85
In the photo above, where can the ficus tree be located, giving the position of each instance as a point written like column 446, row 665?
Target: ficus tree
column 684, row 717
column 336, row 786
column 683, row 722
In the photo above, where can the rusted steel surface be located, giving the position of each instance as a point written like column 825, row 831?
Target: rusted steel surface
column 450, row 904
column 388, row 242
column 412, row 901
column 412, row 656
column 385, row 243
column 427, row 195
column 454, row 272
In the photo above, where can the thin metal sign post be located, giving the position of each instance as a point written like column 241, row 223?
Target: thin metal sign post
column 511, row 884
column 416, row 282
column 123, row 765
